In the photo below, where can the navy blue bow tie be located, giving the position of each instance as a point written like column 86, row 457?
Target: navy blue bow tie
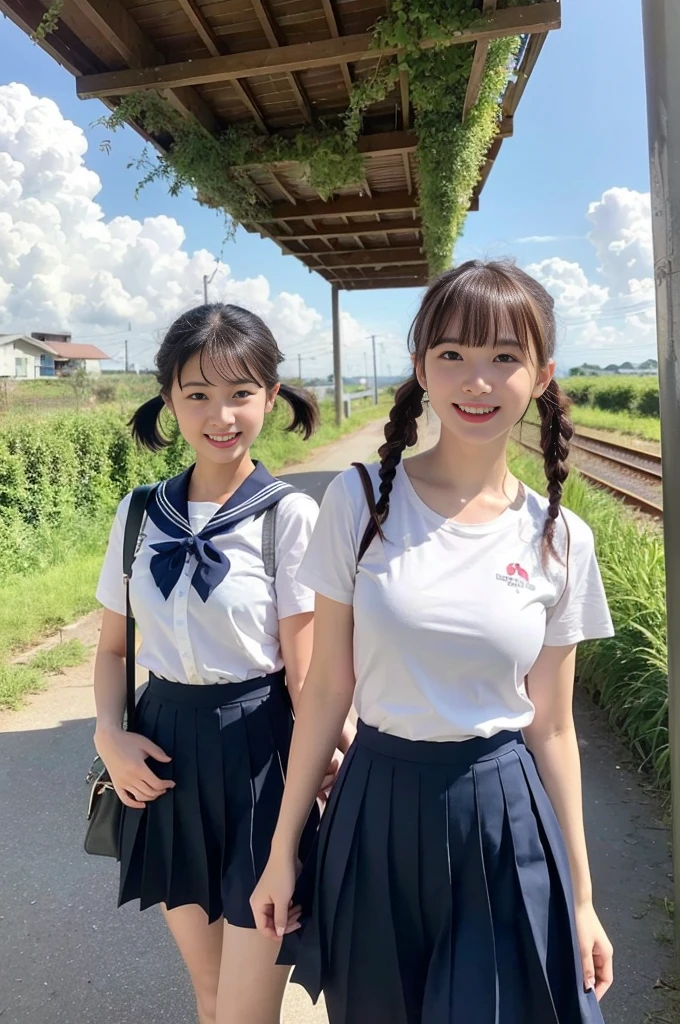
column 168, row 508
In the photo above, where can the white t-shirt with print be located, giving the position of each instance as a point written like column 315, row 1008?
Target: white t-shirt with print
column 450, row 617
column 234, row 636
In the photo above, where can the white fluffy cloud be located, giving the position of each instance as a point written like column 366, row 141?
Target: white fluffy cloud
column 65, row 266
column 613, row 316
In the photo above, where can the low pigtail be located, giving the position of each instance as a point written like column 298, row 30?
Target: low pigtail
column 401, row 431
column 305, row 409
column 556, row 433
column 145, row 425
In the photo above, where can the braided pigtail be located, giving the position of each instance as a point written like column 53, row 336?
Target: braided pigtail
column 556, row 433
column 401, row 431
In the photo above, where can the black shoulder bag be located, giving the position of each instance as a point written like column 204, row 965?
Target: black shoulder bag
column 104, row 806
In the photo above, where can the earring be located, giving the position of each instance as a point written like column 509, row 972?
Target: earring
column 426, row 397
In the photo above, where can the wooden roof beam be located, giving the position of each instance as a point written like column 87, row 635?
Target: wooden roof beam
column 478, row 65
column 384, row 227
column 121, row 31
column 332, row 23
column 405, row 100
column 272, row 32
column 302, row 56
column 368, row 283
column 385, row 202
column 402, row 257
column 207, row 37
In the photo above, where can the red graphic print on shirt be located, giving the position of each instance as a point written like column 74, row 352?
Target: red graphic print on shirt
column 516, row 577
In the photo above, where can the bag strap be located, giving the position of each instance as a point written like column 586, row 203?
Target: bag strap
column 269, row 535
column 269, row 540
column 133, row 524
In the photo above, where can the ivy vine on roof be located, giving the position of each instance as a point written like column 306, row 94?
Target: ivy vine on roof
column 450, row 151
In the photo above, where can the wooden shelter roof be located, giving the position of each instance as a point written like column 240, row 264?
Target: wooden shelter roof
column 282, row 64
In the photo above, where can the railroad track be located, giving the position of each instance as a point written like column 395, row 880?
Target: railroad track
column 630, row 473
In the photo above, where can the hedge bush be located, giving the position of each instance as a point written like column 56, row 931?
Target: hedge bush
column 638, row 395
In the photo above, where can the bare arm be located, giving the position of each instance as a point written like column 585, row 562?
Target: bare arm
column 109, row 672
column 322, row 710
column 123, row 753
column 551, row 737
column 296, row 635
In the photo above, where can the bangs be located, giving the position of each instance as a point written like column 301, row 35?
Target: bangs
column 480, row 305
column 229, row 356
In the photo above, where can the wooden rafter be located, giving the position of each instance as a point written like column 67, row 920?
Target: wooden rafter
column 405, row 100
column 207, row 37
column 407, row 172
column 354, row 229
column 387, row 202
column 301, row 56
column 478, row 64
column 366, row 283
column 121, row 31
column 332, row 23
column 412, row 256
column 271, row 31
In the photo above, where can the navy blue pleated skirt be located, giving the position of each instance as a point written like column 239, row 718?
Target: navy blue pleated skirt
column 438, row 891
column 207, row 840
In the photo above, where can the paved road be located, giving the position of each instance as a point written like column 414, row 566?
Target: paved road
column 68, row 957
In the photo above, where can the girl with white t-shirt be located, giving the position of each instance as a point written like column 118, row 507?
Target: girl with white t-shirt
column 450, row 880
column 226, row 640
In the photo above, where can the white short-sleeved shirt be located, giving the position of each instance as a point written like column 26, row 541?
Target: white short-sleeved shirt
column 448, row 617
column 234, row 635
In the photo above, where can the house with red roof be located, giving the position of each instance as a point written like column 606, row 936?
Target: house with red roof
column 24, row 357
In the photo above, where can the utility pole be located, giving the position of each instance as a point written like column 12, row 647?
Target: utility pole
column 375, row 372
column 661, row 26
column 300, row 366
column 127, row 364
column 208, row 280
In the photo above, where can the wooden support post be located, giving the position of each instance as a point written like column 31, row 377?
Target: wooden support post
column 337, row 354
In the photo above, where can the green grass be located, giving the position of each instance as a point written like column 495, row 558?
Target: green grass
column 627, row 675
column 18, row 680
column 35, row 603
column 61, row 656
column 647, row 428
column 58, row 590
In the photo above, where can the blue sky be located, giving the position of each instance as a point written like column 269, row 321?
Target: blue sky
column 580, row 132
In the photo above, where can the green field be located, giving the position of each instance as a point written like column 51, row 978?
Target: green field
column 628, row 674
column 58, row 492
column 647, row 428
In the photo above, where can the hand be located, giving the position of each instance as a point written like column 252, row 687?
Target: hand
column 272, row 900
column 596, row 950
column 330, row 776
column 124, row 754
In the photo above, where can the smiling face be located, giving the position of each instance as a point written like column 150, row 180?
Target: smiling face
column 220, row 418
column 482, row 345
column 481, row 388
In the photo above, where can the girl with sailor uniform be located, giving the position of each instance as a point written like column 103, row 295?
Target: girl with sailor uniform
column 449, row 880
column 226, row 640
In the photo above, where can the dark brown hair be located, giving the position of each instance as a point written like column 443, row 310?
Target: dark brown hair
column 484, row 296
column 239, row 346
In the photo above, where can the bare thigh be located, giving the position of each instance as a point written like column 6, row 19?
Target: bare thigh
column 200, row 944
column 251, row 984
